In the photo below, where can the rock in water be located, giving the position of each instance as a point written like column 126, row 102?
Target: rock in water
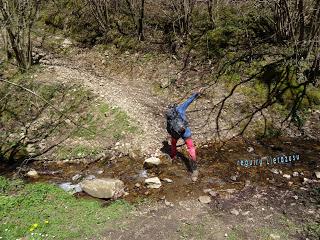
column 250, row 149
column 103, row 188
column 205, row 199
column 168, row 180
column 153, row 182
column 150, row 162
column 76, row 177
column 32, row 174
column 69, row 187
column 287, row 176
column 295, row 174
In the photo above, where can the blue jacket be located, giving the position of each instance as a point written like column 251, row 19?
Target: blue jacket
column 182, row 111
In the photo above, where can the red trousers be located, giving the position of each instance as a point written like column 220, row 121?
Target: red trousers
column 190, row 147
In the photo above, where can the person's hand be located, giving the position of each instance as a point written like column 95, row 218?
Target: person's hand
column 200, row 90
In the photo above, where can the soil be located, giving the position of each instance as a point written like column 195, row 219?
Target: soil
column 265, row 201
column 246, row 202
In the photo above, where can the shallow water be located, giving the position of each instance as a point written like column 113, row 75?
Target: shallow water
column 219, row 169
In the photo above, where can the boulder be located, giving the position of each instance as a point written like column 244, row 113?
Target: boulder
column 152, row 161
column 153, row 182
column 103, row 188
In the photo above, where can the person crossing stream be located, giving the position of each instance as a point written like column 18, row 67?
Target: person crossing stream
column 178, row 127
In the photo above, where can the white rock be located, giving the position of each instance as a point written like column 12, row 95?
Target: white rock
column 213, row 193
column 287, row 176
column 169, row 204
column 317, row 174
column 207, row 190
column 90, row 177
column 137, row 185
column 103, row 188
column 234, row 212
column 306, row 180
column 168, row 180
column 245, row 213
column 295, row 174
column 66, row 43
column 295, row 197
column 275, row 171
column 274, row 236
column 153, row 161
column 250, row 149
column 205, row 199
column 233, row 178
column 69, row 187
column 153, row 182
column 76, row 177
column 33, row 174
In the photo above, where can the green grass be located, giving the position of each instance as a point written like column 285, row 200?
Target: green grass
column 79, row 151
column 104, row 121
column 264, row 233
column 189, row 231
column 43, row 211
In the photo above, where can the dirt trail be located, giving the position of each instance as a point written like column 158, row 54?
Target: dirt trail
column 133, row 97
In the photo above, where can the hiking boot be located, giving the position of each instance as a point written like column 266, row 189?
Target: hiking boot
column 194, row 175
column 193, row 165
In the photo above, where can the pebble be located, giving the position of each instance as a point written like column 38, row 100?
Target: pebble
column 205, row 199
column 295, row 197
column 233, row 178
column 169, row 204
column 275, row 171
column 153, row 182
column 137, row 185
column 168, row 180
column 245, row 213
column 287, row 176
column 234, row 212
column 295, row 174
column 317, row 174
column 250, row 149
column 274, row 236
column 76, row 177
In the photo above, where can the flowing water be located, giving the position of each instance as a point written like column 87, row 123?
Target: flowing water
column 223, row 169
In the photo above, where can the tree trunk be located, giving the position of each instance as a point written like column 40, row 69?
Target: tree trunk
column 210, row 12
column 140, row 24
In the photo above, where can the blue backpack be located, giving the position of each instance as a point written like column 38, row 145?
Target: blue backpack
column 176, row 125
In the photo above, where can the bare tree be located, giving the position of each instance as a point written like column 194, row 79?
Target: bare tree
column 100, row 10
column 17, row 17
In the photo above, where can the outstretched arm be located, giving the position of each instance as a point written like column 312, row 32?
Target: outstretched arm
column 183, row 107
